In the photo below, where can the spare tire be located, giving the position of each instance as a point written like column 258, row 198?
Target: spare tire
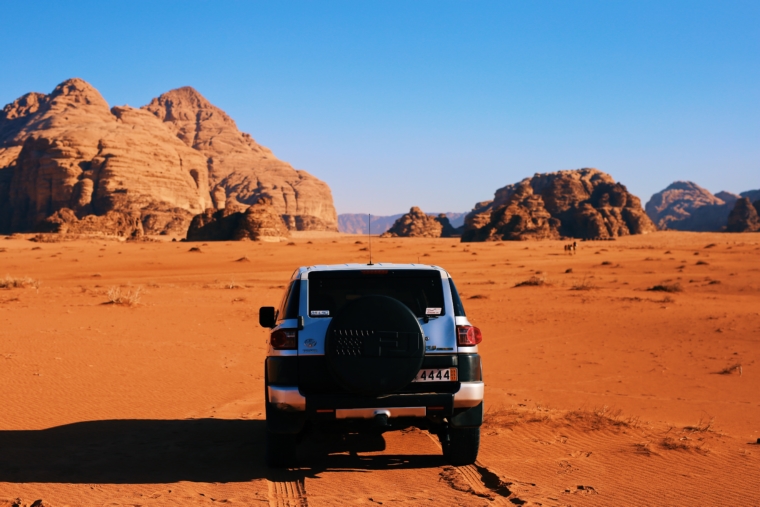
column 374, row 345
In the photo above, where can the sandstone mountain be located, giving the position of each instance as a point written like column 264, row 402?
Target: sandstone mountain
column 69, row 152
column 418, row 224
column 752, row 195
column 244, row 169
column 356, row 223
column 744, row 217
column 260, row 222
column 582, row 203
column 685, row 206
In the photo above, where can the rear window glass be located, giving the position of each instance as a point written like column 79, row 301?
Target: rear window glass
column 420, row 290
column 289, row 306
column 458, row 306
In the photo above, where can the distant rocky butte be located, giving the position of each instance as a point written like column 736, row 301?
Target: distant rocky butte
column 69, row 152
column 260, row 222
column 745, row 216
column 581, row 203
column 685, row 206
column 417, row 224
column 244, row 169
column 357, row 223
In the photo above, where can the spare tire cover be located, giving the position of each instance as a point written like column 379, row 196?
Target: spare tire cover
column 374, row 345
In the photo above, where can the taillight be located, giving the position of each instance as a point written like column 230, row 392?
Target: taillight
column 468, row 336
column 283, row 339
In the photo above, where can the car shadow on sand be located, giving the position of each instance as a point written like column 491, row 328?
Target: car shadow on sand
column 164, row 451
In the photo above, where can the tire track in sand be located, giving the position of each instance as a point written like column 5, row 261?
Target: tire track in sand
column 287, row 492
column 481, row 481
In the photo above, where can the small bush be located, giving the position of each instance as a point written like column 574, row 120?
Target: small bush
column 734, row 368
column 128, row 298
column 668, row 287
column 533, row 281
column 11, row 282
column 585, row 284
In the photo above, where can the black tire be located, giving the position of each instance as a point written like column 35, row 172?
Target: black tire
column 281, row 450
column 374, row 346
column 461, row 445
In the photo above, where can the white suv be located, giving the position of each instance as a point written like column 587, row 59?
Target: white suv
column 379, row 347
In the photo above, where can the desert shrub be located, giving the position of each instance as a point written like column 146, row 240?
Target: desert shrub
column 585, row 284
column 128, row 298
column 734, row 368
column 667, row 287
column 12, row 282
column 533, row 281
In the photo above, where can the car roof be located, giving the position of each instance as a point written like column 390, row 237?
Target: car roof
column 305, row 270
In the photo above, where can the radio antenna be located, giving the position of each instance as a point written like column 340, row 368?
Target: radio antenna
column 369, row 235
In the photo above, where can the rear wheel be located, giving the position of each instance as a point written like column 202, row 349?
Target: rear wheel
column 281, row 450
column 460, row 445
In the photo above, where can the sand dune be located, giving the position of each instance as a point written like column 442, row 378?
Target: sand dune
column 599, row 391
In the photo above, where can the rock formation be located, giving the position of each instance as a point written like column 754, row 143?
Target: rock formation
column 260, row 222
column 685, row 206
column 356, row 223
column 113, row 223
column 752, row 195
column 246, row 170
column 69, row 150
column 417, row 224
column 582, row 203
column 744, row 217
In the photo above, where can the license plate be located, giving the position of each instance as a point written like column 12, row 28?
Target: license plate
column 436, row 375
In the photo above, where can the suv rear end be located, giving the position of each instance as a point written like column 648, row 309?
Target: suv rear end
column 387, row 345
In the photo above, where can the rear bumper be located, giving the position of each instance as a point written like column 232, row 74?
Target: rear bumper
column 289, row 398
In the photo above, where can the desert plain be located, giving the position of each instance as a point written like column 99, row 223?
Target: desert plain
column 131, row 374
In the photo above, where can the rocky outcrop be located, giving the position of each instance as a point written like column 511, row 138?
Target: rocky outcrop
column 744, row 217
column 357, row 223
column 685, row 206
column 417, row 224
column 245, row 170
column 113, row 223
column 752, row 195
column 69, row 150
column 582, row 203
column 260, row 222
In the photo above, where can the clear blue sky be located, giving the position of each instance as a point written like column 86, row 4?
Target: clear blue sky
column 430, row 103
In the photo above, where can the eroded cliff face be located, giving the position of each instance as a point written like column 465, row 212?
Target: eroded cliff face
column 69, row 150
column 685, row 206
column 245, row 170
column 582, row 203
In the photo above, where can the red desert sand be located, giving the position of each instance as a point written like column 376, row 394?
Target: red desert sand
column 624, row 373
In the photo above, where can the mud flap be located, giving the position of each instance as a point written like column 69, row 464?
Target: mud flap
column 468, row 418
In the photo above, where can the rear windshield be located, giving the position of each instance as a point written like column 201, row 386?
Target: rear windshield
column 420, row 290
